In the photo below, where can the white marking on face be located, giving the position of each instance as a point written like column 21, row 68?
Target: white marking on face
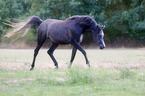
column 102, row 33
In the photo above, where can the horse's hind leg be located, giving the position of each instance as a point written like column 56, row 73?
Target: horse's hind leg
column 50, row 52
column 41, row 40
column 74, row 50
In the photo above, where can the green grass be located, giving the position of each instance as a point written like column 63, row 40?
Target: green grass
column 73, row 82
column 126, row 78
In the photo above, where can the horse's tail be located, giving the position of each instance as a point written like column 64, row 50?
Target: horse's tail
column 32, row 21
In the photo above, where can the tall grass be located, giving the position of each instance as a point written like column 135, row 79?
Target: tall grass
column 76, row 76
column 126, row 73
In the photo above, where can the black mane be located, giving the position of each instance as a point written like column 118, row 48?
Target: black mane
column 83, row 20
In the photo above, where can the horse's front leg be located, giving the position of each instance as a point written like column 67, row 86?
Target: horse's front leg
column 50, row 52
column 76, row 45
column 74, row 50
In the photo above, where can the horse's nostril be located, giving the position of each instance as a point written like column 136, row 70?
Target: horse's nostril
column 102, row 47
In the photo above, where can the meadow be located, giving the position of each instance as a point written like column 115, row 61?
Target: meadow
column 113, row 72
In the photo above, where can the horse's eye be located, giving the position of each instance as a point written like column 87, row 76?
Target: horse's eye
column 99, row 35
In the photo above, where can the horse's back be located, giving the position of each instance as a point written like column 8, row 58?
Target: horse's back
column 48, row 24
column 55, row 30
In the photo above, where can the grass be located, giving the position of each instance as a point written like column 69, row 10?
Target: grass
column 126, row 78
column 78, row 82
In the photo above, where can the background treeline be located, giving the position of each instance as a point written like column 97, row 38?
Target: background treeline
column 124, row 19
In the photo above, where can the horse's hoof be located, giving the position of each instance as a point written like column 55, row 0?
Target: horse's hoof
column 56, row 67
column 31, row 69
column 69, row 65
column 88, row 65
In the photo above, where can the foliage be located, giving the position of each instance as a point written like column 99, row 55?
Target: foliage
column 123, row 18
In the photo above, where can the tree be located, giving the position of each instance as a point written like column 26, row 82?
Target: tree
column 123, row 18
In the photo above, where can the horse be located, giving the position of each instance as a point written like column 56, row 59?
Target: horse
column 69, row 31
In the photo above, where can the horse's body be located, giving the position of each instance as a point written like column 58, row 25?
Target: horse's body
column 69, row 31
column 60, row 32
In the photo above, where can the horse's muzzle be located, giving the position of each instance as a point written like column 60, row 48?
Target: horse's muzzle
column 102, row 46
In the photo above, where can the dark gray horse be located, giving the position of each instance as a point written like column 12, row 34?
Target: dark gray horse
column 69, row 31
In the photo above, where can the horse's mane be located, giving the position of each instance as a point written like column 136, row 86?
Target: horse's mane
column 87, row 20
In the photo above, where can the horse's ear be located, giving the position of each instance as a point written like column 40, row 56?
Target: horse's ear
column 103, row 26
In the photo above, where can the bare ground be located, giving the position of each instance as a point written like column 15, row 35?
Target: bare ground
column 20, row 59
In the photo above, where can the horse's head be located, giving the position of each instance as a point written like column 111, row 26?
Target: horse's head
column 89, row 24
column 98, row 35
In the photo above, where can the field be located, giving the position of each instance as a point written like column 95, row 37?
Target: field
column 113, row 72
